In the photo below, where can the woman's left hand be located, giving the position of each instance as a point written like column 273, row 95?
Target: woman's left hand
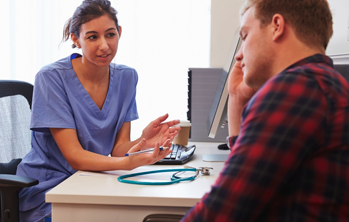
column 160, row 131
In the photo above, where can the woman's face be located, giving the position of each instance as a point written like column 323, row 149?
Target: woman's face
column 98, row 41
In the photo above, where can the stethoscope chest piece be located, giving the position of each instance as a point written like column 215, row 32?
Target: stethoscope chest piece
column 205, row 170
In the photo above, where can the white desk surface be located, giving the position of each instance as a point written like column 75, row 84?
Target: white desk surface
column 103, row 188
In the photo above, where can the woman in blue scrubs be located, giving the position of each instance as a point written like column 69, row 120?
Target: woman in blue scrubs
column 82, row 109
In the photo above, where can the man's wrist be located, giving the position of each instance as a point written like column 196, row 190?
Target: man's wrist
column 231, row 141
column 238, row 100
column 235, row 108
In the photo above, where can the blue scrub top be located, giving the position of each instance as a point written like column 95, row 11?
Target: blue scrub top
column 61, row 101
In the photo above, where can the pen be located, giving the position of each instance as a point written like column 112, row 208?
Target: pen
column 144, row 151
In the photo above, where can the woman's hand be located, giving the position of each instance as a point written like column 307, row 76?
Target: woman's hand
column 148, row 157
column 160, row 131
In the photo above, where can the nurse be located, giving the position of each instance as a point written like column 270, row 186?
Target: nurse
column 82, row 109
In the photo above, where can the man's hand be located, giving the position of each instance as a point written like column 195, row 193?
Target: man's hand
column 239, row 95
column 236, row 85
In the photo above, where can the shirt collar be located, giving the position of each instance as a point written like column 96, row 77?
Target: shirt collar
column 317, row 58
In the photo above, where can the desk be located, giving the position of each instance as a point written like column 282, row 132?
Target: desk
column 87, row 196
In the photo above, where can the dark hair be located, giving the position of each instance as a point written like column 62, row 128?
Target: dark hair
column 311, row 19
column 87, row 11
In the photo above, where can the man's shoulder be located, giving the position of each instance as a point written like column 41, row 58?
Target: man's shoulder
column 324, row 74
column 300, row 83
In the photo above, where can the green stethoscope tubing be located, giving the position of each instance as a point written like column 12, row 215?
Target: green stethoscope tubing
column 174, row 178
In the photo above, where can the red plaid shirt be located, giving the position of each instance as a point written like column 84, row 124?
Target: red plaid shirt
column 291, row 159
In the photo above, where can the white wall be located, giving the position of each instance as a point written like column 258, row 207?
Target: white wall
column 225, row 21
column 339, row 43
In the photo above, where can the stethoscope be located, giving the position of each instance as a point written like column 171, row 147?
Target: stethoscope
column 175, row 178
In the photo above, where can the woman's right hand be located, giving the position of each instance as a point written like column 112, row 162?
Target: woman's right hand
column 147, row 158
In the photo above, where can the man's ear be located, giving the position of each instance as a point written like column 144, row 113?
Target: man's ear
column 278, row 26
column 75, row 40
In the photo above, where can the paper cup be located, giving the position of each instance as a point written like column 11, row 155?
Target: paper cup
column 183, row 135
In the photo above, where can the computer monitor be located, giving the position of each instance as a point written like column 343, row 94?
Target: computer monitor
column 218, row 113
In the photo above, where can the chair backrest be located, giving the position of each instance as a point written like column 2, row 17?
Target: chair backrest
column 15, row 105
column 343, row 69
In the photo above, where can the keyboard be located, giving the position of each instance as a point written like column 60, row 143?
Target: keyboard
column 179, row 155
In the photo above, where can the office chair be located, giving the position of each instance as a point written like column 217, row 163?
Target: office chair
column 343, row 69
column 163, row 218
column 15, row 105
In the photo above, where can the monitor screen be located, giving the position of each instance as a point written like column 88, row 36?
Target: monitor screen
column 218, row 114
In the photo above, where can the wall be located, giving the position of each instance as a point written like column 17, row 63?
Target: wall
column 339, row 43
column 225, row 21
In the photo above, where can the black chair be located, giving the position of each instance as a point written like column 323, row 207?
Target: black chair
column 343, row 69
column 163, row 218
column 10, row 184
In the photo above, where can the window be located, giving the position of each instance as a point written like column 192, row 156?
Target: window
column 161, row 39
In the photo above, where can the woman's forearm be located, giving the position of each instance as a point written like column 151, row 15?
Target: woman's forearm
column 123, row 147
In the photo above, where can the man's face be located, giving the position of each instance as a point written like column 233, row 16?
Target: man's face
column 255, row 53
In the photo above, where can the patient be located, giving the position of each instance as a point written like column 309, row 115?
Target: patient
column 82, row 110
column 288, row 117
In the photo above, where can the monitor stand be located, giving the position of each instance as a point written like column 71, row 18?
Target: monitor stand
column 215, row 157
